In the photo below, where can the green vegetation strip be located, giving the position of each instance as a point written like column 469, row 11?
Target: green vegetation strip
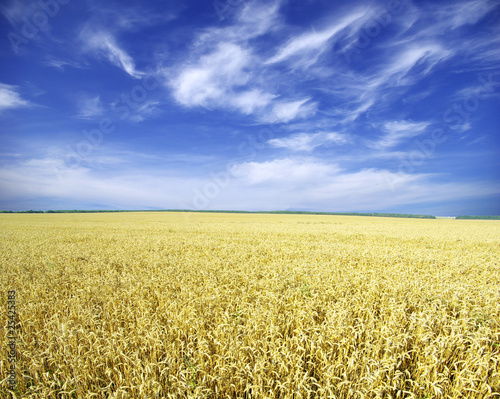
column 391, row 215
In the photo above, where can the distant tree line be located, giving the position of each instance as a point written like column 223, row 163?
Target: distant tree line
column 30, row 211
column 84, row 211
column 392, row 215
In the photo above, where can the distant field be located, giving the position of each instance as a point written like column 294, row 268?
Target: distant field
column 172, row 305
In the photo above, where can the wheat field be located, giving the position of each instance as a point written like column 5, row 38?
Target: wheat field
column 194, row 305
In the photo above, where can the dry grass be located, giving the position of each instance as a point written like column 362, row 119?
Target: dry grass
column 151, row 305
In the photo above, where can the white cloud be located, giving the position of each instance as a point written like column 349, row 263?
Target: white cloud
column 90, row 107
column 308, row 142
column 144, row 111
column 250, row 101
column 396, row 132
column 463, row 13
column 10, row 98
column 476, row 93
column 290, row 170
column 414, row 98
column 104, row 44
column 61, row 64
column 462, row 127
column 220, row 78
column 257, row 18
column 254, row 19
column 423, row 56
column 286, row 111
column 135, row 18
column 410, row 62
column 212, row 78
column 480, row 139
column 10, row 154
column 350, row 115
column 308, row 46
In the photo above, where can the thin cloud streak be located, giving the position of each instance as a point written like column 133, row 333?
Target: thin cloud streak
column 10, row 98
column 310, row 45
column 308, row 142
column 90, row 107
column 395, row 132
column 103, row 44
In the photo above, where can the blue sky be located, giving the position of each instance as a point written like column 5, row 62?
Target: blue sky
column 385, row 106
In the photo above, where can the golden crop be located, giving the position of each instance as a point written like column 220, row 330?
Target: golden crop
column 171, row 305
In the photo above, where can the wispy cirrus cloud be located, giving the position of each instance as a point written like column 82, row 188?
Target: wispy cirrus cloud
column 10, row 97
column 396, row 132
column 308, row 141
column 252, row 20
column 103, row 44
column 251, row 101
column 358, row 92
column 136, row 18
column 90, row 107
column 405, row 67
column 304, row 49
column 286, row 111
column 410, row 57
column 145, row 111
column 462, row 13
column 213, row 77
column 413, row 62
